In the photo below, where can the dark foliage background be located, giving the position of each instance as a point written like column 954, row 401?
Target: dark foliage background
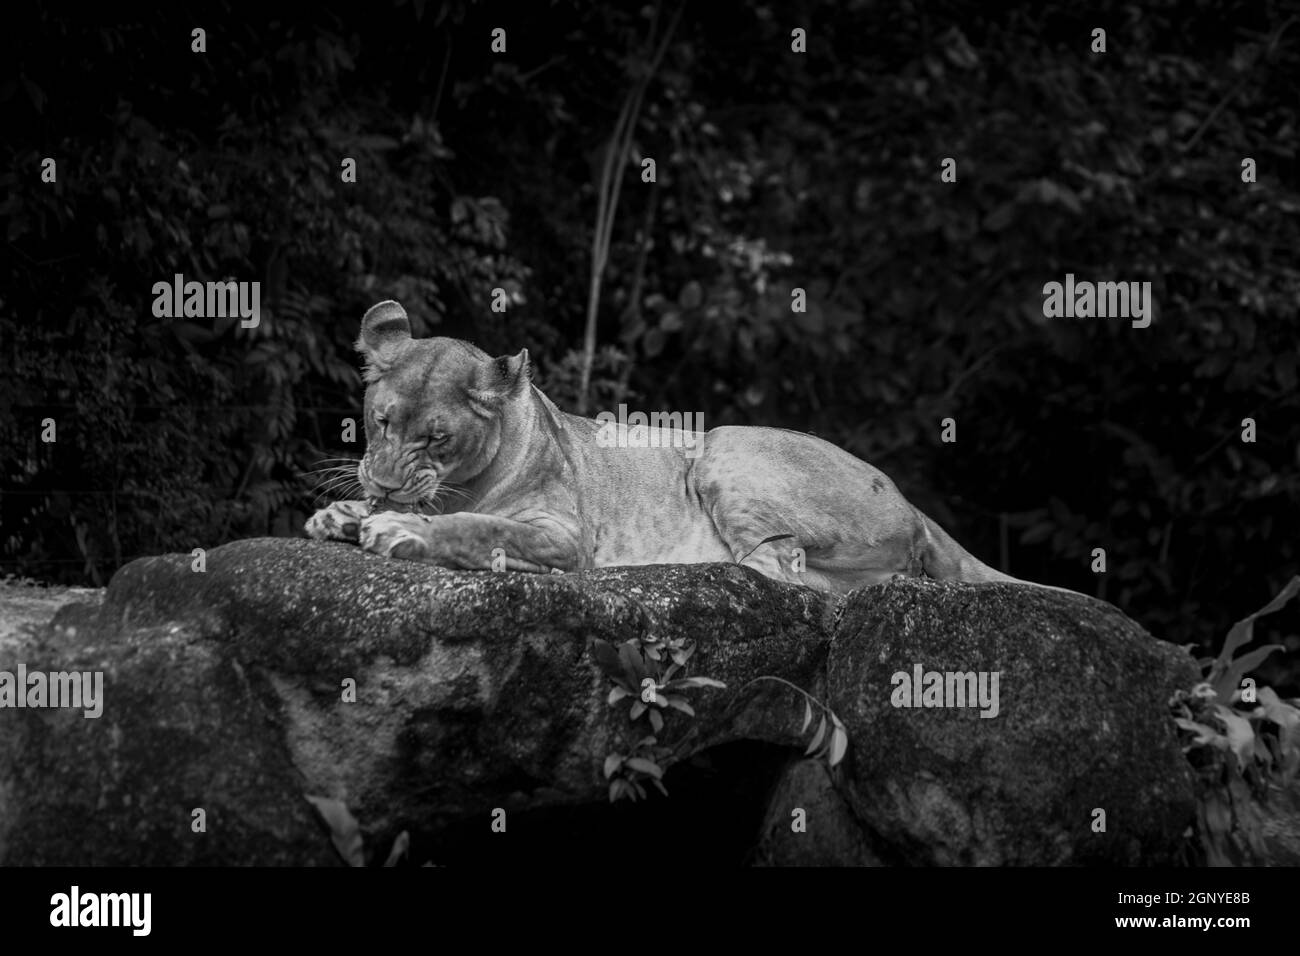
column 478, row 170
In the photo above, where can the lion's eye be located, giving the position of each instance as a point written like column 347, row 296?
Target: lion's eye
column 438, row 438
column 381, row 421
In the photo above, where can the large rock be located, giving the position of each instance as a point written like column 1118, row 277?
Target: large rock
column 227, row 691
column 1081, row 736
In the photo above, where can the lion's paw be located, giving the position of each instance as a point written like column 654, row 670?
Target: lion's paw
column 341, row 521
column 395, row 535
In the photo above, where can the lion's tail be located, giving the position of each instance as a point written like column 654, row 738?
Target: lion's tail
column 944, row 559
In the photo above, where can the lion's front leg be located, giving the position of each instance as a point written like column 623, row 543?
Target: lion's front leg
column 341, row 521
column 395, row 534
column 473, row 542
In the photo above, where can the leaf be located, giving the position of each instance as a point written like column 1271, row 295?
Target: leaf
column 1217, row 815
column 612, row 763
column 607, row 659
column 817, row 738
column 345, row 832
column 1037, row 533
column 679, row 703
column 1278, row 710
column 683, row 682
column 633, row 665
column 653, row 343
column 659, row 785
column 188, row 332
column 616, row 694
column 1243, row 630
column 1230, row 681
column 807, row 717
column 656, row 721
column 1204, row 733
column 691, row 295
column 34, row 94
column 637, row 710
column 647, row 767
column 1052, row 192
column 1000, row 218
column 400, row 847
column 1262, row 752
column 839, row 745
column 1241, row 736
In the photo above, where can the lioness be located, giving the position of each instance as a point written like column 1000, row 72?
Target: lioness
column 483, row 470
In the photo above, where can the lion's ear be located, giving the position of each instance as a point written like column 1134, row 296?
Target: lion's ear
column 384, row 330
column 499, row 379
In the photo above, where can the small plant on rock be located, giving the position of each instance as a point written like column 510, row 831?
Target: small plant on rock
column 1244, row 743
column 645, row 671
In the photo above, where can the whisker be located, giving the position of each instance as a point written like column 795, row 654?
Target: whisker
column 337, row 482
column 342, row 464
column 449, row 490
column 337, row 472
column 326, row 476
column 329, row 468
column 339, row 487
column 341, row 493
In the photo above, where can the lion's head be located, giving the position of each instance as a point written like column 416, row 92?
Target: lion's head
column 433, row 409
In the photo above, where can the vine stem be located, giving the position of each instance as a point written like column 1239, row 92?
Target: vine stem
column 794, row 687
column 611, row 184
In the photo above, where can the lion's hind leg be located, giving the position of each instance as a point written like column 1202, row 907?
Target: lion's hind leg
column 837, row 523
